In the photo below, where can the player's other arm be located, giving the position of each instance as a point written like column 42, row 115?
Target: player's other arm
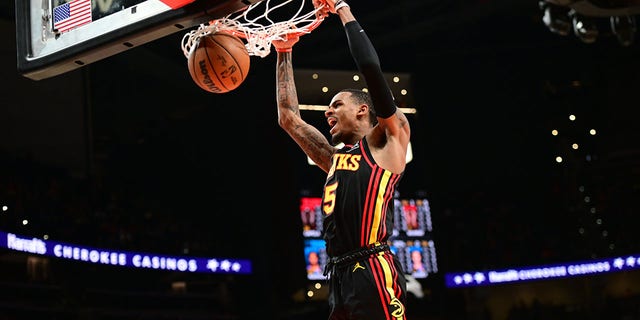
column 392, row 132
column 310, row 139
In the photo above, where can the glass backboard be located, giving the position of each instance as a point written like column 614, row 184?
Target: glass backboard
column 57, row 36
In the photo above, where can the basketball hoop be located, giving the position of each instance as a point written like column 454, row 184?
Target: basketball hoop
column 261, row 23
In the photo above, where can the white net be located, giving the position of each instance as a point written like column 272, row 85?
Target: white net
column 259, row 24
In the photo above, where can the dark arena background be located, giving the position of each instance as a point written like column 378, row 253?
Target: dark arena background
column 127, row 192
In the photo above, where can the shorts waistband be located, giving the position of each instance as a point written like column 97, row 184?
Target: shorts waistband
column 354, row 256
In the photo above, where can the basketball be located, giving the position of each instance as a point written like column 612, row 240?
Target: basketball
column 219, row 62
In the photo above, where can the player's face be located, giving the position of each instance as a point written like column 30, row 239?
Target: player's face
column 313, row 258
column 416, row 256
column 341, row 117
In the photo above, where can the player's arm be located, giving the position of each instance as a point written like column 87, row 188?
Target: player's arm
column 310, row 139
column 392, row 132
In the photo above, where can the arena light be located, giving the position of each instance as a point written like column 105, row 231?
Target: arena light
column 556, row 18
column 584, row 28
column 624, row 28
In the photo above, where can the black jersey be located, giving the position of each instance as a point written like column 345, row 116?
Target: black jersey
column 357, row 200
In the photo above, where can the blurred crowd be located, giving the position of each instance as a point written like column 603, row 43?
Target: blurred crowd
column 44, row 200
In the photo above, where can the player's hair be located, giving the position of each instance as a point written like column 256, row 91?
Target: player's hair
column 363, row 97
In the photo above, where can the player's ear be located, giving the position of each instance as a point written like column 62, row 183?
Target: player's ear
column 363, row 109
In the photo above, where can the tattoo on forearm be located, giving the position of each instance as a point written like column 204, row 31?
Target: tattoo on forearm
column 286, row 92
column 312, row 142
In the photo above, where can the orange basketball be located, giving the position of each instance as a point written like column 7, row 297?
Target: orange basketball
column 219, row 62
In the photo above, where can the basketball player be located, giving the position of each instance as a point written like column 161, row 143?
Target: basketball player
column 366, row 280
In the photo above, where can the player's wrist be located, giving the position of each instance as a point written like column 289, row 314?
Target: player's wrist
column 340, row 4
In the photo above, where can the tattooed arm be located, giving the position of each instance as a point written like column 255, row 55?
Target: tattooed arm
column 310, row 139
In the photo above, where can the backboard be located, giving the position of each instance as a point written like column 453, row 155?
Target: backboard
column 57, row 36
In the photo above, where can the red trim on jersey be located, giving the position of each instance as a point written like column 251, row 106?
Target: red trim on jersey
column 391, row 187
column 371, row 197
column 366, row 217
column 365, row 154
column 370, row 205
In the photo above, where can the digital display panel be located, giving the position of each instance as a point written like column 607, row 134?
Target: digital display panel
column 311, row 216
column 418, row 257
column 412, row 217
column 411, row 239
column 315, row 257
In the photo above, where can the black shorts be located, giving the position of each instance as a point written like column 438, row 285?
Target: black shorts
column 371, row 288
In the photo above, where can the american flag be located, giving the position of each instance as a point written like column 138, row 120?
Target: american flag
column 71, row 15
